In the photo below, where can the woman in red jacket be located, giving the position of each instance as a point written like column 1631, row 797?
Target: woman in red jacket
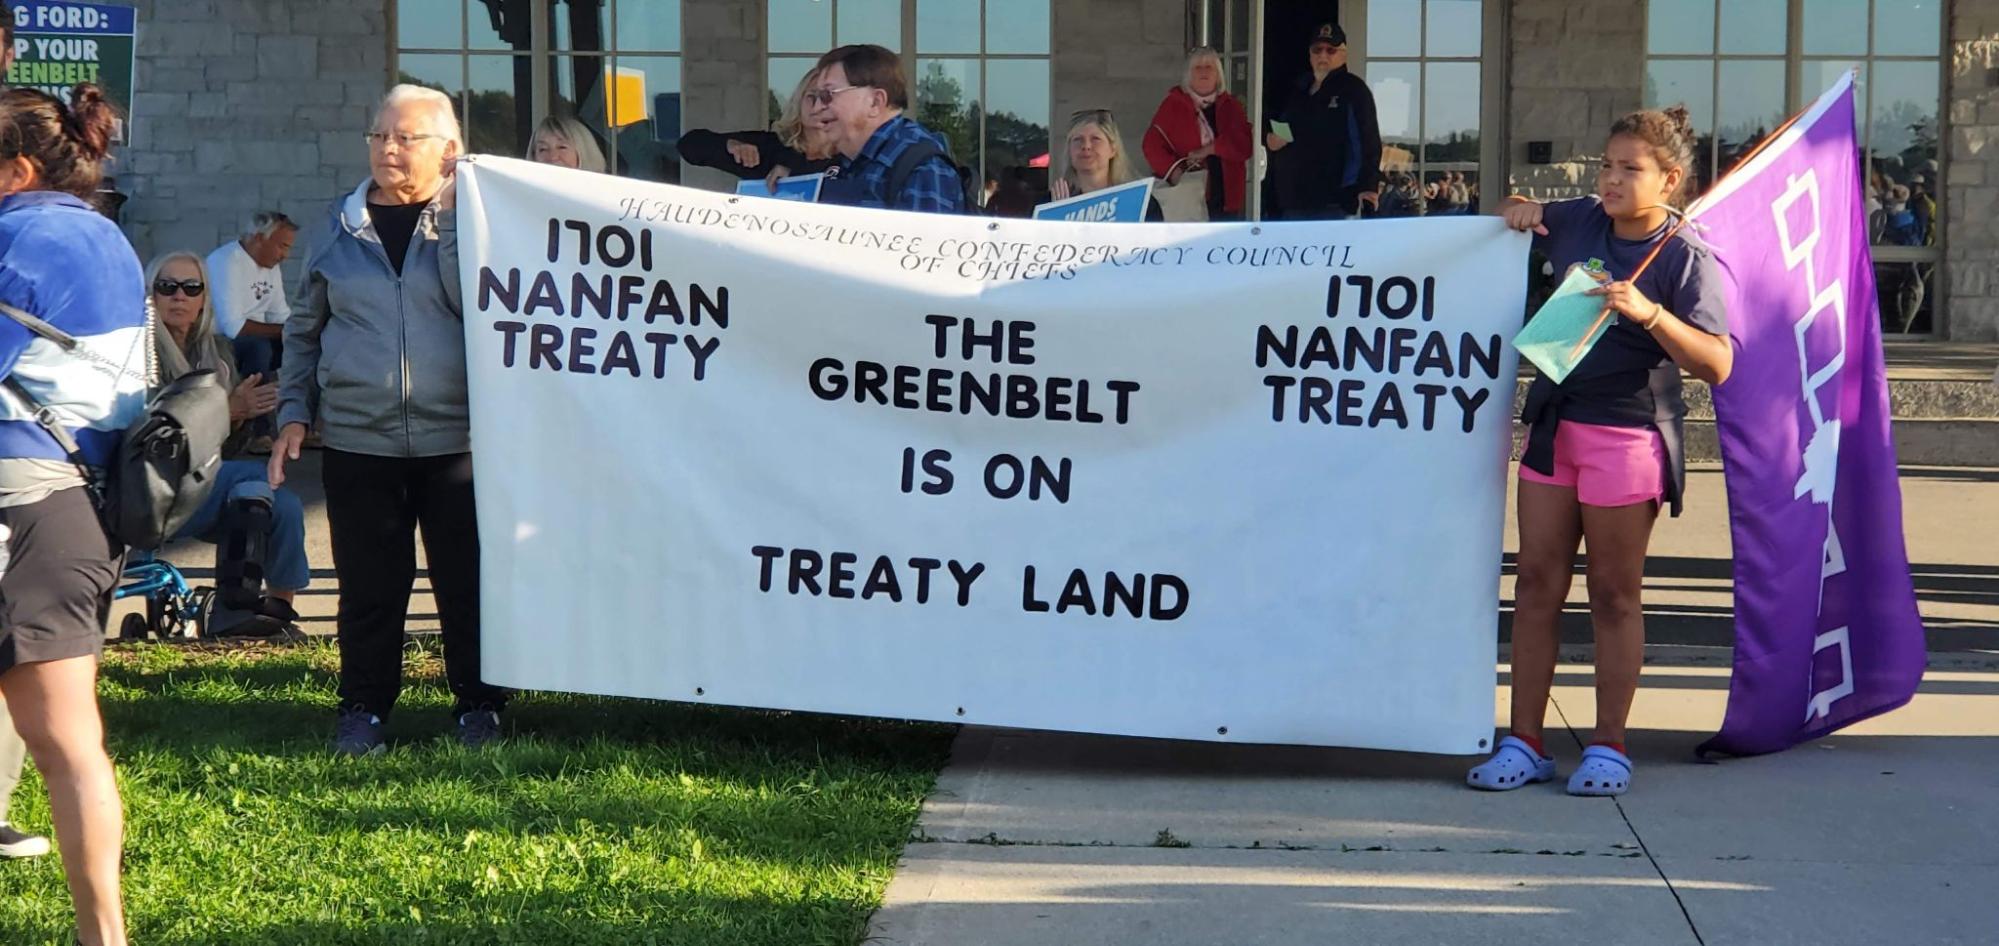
column 1200, row 126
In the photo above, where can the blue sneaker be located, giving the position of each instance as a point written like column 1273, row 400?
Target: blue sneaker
column 1513, row 765
column 478, row 728
column 358, row 733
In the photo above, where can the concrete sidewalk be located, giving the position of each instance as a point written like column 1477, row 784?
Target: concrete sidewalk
column 1886, row 834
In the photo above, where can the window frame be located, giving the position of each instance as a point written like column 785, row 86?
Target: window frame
column 1794, row 59
column 1489, row 61
column 542, row 57
column 913, row 55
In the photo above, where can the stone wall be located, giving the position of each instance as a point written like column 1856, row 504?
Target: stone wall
column 722, row 75
column 1117, row 54
column 242, row 105
column 1577, row 65
column 1971, row 174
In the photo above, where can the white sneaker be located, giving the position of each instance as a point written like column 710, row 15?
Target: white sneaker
column 15, row 843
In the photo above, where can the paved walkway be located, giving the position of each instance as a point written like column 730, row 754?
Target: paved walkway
column 1886, row 833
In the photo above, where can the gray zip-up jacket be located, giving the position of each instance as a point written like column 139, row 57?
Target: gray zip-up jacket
column 380, row 359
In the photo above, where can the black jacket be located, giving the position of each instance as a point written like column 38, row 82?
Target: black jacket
column 1335, row 152
column 710, row 149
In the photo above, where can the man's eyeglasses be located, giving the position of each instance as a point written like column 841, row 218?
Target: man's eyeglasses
column 403, row 140
column 818, row 97
column 168, row 287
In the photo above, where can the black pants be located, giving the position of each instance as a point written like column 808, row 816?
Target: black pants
column 373, row 507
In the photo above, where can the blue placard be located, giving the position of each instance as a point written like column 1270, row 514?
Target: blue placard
column 1124, row 203
column 71, row 19
column 804, row 187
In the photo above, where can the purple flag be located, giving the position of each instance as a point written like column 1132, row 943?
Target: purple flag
column 1826, row 628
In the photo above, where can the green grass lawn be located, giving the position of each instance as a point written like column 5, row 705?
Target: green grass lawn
column 599, row 821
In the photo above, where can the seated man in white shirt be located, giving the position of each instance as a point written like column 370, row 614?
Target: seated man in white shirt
column 249, row 295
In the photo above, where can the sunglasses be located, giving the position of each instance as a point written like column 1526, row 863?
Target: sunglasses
column 168, row 287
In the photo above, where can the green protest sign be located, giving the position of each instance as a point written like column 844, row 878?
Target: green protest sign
column 57, row 45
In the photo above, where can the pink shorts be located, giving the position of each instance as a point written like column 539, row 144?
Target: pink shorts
column 1607, row 466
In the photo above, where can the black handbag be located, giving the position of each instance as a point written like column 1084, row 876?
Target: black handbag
column 167, row 460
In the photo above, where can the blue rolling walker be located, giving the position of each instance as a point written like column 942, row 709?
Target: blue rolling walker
column 174, row 608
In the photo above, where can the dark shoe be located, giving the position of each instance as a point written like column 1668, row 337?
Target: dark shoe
column 16, row 843
column 273, row 618
column 357, row 733
column 478, row 728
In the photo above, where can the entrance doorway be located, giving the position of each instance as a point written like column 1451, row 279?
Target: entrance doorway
column 1288, row 26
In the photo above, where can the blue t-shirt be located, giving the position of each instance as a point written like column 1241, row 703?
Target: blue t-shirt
column 1683, row 278
column 1627, row 379
column 64, row 263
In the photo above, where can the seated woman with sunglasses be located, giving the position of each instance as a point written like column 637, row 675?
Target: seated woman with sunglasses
column 184, row 340
column 1096, row 160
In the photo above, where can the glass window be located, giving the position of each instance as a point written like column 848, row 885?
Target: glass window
column 645, row 100
column 1451, row 135
column 1016, row 28
column 612, row 65
column 1423, row 67
column 1684, row 27
column 947, row 26
column 1834, row 27
column 1753, row 107
column 1453, row 27
column 1752, row 27
column 1907, row 292
column 870, row 21
column 647, row 26
column 982, row 78
column 496, row 119
column 1907, row 27
column 1017, row 114
column 782, row 79
column 800, row 26
column 947, row 102
column 430, row 24
column 1894, row 49
column 1394, row 28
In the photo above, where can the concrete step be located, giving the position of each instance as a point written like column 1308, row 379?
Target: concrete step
column 1938, row 421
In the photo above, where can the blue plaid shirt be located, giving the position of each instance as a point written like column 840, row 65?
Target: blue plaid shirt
column 932, row 187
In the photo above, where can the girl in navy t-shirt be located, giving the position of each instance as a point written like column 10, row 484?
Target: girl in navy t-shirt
column 1603, row 451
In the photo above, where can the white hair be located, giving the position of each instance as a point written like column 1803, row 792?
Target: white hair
column 442, row 109
column 1195, row 57
column 266, row 222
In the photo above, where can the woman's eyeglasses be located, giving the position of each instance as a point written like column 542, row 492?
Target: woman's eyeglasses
column 403, row 140
column 1098, row 114
column 167, row 287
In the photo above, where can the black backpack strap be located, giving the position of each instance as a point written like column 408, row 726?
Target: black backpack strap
column 906, row 164
column 45, row 416
column 60, row 338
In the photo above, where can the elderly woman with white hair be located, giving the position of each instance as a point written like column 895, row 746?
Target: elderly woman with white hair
column 375, row 350
column 1201, row 131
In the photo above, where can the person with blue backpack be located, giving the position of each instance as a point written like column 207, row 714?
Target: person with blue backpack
column 884, row 158
column 73, row 349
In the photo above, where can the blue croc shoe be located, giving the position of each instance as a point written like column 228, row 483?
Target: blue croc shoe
column 1605, row 771
column 1513, row 764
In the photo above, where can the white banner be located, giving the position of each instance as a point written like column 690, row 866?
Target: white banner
column 1202, row 481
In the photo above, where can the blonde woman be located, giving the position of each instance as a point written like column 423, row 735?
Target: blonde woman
column 1095, row 159
column 565, row 142
column 1199, row 126
column 184, row 340
column 792, row 146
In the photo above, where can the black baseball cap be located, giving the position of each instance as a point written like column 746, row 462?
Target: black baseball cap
column 1329, row 34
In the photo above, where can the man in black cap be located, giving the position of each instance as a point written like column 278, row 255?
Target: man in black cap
column 1332, row 162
